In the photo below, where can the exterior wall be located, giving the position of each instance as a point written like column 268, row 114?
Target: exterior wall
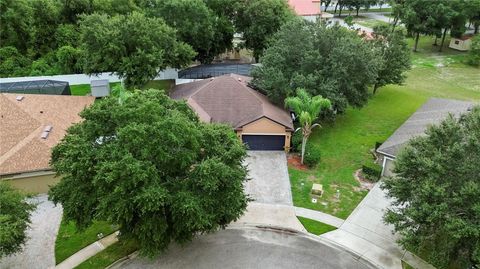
column 33, row 182
column 387, row 166
column 265, row 126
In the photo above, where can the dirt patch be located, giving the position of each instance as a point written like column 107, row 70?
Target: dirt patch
column 295, row 161
column 365, row 184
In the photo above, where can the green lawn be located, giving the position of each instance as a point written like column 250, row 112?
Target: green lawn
column 84, row 89
column 370, row 23
column 345, row 144
column 315, row 227
column 70, row 240
column 109, row 255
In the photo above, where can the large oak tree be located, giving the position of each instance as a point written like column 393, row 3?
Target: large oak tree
column 133, row 46
column 436, row 193
column 149, row 165
column 330, row 61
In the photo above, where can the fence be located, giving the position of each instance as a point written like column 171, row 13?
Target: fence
column 76, row 79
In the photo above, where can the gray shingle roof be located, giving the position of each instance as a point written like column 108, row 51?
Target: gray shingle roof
column 431, row 112
column 228, row 99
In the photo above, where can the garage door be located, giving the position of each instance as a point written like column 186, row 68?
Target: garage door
column 264, row 142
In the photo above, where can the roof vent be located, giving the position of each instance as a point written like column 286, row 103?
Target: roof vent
column 44, row 135
column 19, row 98
column 48, row 128
column 212, row 78
column 240, row 79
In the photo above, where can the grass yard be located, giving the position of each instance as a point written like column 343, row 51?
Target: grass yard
column 367, row 22
column 84, row 89
column 345, row 145
column 109, row 255
column 315, row 227
column 70, row 240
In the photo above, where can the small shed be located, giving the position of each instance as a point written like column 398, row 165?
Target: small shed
column 463, row 43
column 100, row 87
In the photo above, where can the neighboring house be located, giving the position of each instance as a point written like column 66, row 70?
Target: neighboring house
column 46, row 86
column 432, row 112
column 30, row 125
column 228, row 99
column 309, row 9
column 462, row 44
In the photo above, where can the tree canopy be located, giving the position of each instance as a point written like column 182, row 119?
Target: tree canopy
column 133, row 46
column 149, row 165
column 14, row 219
column 436, row 193
column 258, row 20
column 330, row 61
column 395, row 55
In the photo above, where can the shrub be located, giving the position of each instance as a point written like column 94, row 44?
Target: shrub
column 474, row 54
column 312, row 155
column 372, row 171
column 297, row 141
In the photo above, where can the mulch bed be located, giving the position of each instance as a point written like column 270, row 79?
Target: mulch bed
column 294, row 160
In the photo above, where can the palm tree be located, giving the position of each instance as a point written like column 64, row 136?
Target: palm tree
column 307, row 110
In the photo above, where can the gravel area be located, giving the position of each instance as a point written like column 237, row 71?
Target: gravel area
column 39, row 250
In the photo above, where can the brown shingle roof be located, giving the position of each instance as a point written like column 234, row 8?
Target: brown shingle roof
column 229, row 99
column 22, row 123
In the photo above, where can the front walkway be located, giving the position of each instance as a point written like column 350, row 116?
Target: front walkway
column 39, row 250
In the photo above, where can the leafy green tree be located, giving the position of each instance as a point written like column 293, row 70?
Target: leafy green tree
column 418, row 16
column 258, row 20
column 436, row 193
column 115, row 7
column 68, row 60
column 71, row 10
column 395, row 56
column 149, row 165
column 307, row 109
column 194, row 23
column 133, row 46
column 14, row 219
column 330, row 61
column 16, row 24
column 474, row 53
column 472, row 10
column 46, row 18
column 13, row 63
column 67, row 35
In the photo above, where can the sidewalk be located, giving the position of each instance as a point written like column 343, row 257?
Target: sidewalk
column 319, row 216
column 88, row 251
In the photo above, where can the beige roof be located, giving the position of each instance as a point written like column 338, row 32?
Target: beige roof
column 229, row 99
column 22, row 123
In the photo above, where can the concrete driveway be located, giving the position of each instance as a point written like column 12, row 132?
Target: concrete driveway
column 252, row 248
column 269, row 181
column 39, row 250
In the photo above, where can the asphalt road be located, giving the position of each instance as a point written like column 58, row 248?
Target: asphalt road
column 252, row 248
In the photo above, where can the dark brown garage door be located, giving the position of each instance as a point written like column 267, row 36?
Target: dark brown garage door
column 264, row 142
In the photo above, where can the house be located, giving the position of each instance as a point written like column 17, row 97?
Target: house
column 431, row 112
column 30, row 125
column 309, row 9
column 229, row 99
column 463, row 43
column 44, row 86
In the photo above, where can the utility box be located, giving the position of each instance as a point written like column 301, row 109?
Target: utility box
column 100, row 88
column 317, row 190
